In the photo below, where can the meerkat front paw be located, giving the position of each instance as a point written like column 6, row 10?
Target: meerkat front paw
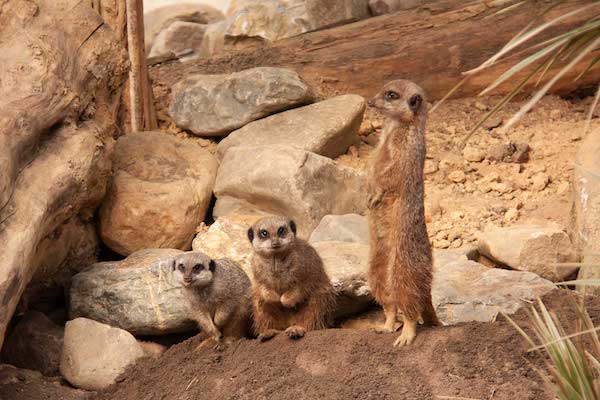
column 295, row 332
column 268, row 335
column 374, row 199
column 409, row 332
column 288, row 300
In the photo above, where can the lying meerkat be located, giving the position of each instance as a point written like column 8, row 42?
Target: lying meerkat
column 400, row 267
column 219, row 293
column 290, row 288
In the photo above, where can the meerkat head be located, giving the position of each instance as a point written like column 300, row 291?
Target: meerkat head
column 272, row 235
column 401, row 100
column 193, row 269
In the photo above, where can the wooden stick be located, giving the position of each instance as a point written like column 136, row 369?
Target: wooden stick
column 133, row 47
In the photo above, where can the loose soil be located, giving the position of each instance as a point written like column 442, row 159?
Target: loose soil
column 471, row 360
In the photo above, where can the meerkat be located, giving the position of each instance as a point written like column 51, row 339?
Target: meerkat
column 291, row 291
column 219, row 293
column 400, row 265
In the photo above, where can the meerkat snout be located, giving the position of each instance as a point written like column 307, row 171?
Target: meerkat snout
column 193, row 271
column 268, row 238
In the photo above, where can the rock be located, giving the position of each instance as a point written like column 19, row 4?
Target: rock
column 160, row 192
column 380, row 7
column 228, row 238
column 509, row 152
column 457, row 177
column 95, row 354
column 539, row 181
column 468, row 291
column 273, row 20
column 178, row 37
column 214, row 105
column 161, row 18
column 492, row 122
column 327, row 128
column 473, row 154
column 511, row 215
column 346, row 265
column 586, row 198
column 441, row 243
column 431, row 166
column 521, row 153
column 282, row 180
column 35, row 343
column 135, row 294
column 531, row 248
column 351, row 228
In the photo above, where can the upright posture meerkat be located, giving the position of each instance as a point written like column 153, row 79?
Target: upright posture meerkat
column 400, row 270
column 219, row 293
column 290, row 288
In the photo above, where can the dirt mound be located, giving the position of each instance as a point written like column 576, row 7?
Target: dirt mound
column 474, row 360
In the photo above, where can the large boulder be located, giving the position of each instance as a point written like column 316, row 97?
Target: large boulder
column 327, row 128
column 273, row 20
column 161, row 18
column 136, row 294
column 178, row 37
column 95, row 354
column 283, row 180
column 214, row 105
column 531, row 248
column 352, row 228
column 35, row 343
column 586, row 193
column 160, row 193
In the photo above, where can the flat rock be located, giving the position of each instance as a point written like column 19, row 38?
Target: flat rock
column 135, row 294
column 215, row 105
column 531, row 248
column 327, row 128
column 161, row 18
column 178, row 37
column 95, row 354
column 35, row 343
column 351, row 228
column 160, row 192
column 283, row 180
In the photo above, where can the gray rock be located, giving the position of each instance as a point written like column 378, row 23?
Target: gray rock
column 136, row 294
column 214, row 105
column 380, row 7
column 178, row 37
column 531, row 248
column 327, row 128
column 35, row 343
column 160, row 192
column 95, row 354
column 283, row 180
column 352, row 228
column 509, row 152
column 586, row 194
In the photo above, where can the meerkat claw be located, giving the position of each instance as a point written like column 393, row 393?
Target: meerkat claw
column 409, row 332
column 268, row 335
column 295, row 332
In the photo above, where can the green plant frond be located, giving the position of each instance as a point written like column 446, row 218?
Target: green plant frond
column 588, row 121
column 594, row 361
column 540, row 93
column 525, row 36
column 519, row 329
column 590, row 65
column 573, row 34
column 551, row 61
column 506, row 9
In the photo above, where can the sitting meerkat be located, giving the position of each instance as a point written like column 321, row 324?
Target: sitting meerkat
column 400, row 267
column 290, row 288
column 219, row 293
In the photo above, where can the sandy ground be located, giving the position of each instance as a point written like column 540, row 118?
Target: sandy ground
column 150, row 5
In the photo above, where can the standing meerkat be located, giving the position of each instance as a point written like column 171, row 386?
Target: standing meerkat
column 219, row 293
column 400, row 267
column 290, row 288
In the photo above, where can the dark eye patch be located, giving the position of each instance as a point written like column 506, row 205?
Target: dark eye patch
column 281, row 231
column 391, row 95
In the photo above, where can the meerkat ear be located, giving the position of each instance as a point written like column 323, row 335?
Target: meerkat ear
column 293, row 226
column 212, row 265
column 250, row 234
column 415, row 102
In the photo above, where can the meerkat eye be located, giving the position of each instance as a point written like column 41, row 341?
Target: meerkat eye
column 281, row 231
column 391, row 95
column 181, row 267
column 197, row 267
column 263, row 234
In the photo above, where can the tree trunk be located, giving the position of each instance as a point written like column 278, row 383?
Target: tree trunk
column 431, row 45
column 62, row 71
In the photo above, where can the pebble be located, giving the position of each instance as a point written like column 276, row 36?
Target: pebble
column 441, row 244
column 431, row 166
column 473, row 154
column 511, row 215
column 457, row 176
column 492, row 122
column 539, row 181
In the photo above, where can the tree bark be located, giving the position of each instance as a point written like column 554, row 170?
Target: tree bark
column 62, row 70
column 431, row 45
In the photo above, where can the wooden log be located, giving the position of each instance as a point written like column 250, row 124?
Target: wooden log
column 432, row 45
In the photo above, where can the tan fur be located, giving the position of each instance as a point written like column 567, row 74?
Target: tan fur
column 400, row 270
column 220, row 299
column 290, row 288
